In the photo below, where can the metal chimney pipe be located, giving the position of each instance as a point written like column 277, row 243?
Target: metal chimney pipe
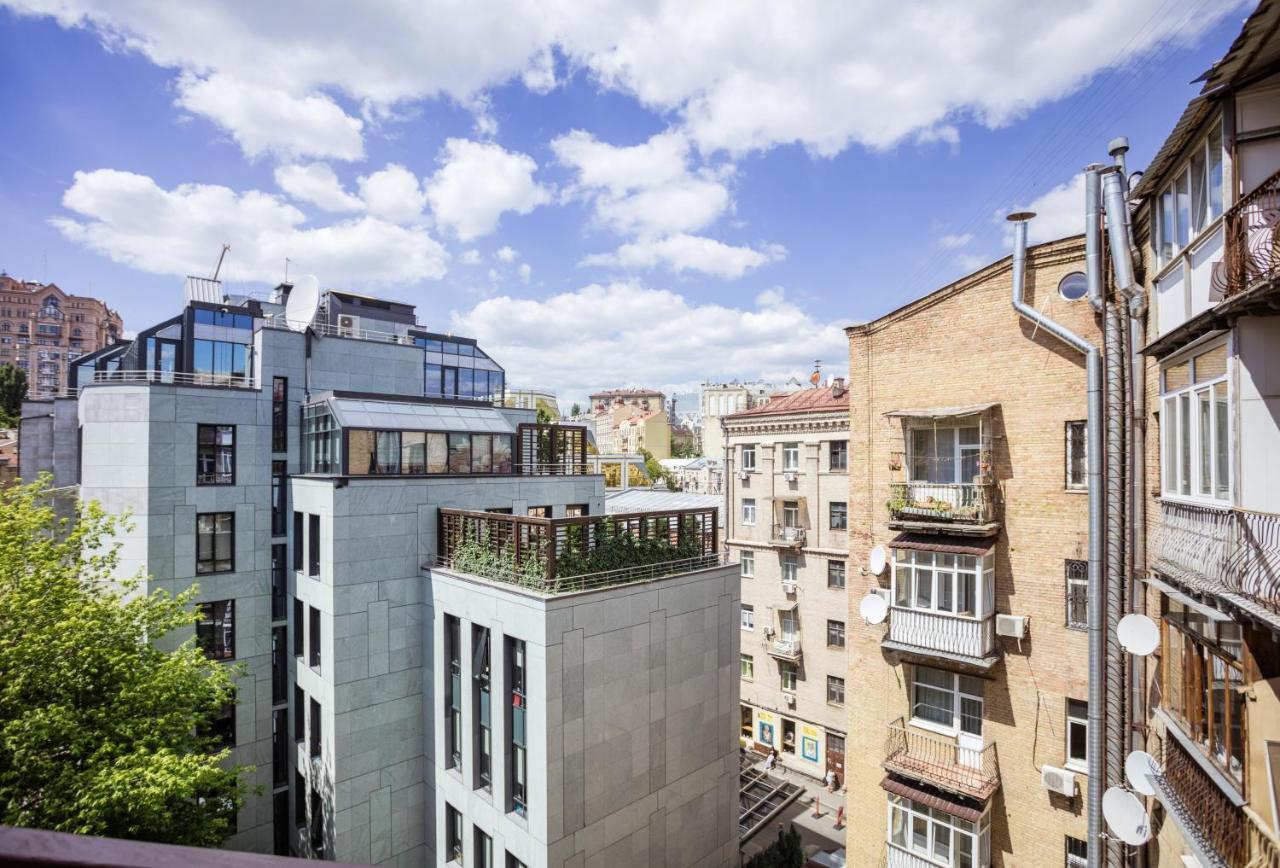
column 1097, row 637
column 1118, row 233
column 1093, row 233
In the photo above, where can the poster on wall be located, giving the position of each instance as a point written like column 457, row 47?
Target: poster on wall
column 766, row 733
column 809, row 743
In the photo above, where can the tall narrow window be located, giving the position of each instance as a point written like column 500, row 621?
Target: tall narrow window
column 1077, row 734
column 835, row 690
column 316, row 739
column 790, row 456
column 215, row 542
column 279, row 746
column 299, row 714
column 299, row 627
column 452, row 834
column 749, row 457
column 216, row 629
column 835, row 574
column 298, row 524
column 279, row 414
column 835, row 634
column 279, row 664
column 484, row 726
column 279, row 581
column 280, row 823
column 839, row 515
column 518, row 771
column 279, row 499
column 1077, row 455
column 299, row 800
column 1078, row 595
column 748, row 510
column 313, row 638
column 222, row 728
column 453, row 692
column 484, row 850
column 313, row 545
column 787, row 676
column 317, row 823
column 215, row 454
column 748, row 562
column 839, row 455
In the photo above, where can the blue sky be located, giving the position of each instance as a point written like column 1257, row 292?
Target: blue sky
column 641, row 193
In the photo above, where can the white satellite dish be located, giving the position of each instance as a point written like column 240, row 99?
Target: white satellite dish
column 304, row 301
column 878, row 560
column 873, row 608
column 1138, row 634
column 1125, row 816
column 1137, row 767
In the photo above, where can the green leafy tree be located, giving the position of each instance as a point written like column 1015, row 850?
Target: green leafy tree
column 102, row 731
column 785, row 852
column 575, row 410
column 543, row 416
column 13, row 388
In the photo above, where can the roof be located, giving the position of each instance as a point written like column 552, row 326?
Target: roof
column 803, row 401
column 942, row 412
column 927, row 542
column 956, row 806
column 642, row 499
column 625, row 393
column 396, row 415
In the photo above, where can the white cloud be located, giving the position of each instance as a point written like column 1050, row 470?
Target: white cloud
column 133, row 221
column 540, row 76
column 683, row 252
column 316, row 184
column 477, row 183
column 619, row 170
column 1059, row 212
column 470, row 257
column 954, row 242
column 507, row 253
column 263, row 119
column 578, row 340
column 393, row 194
column 525, row 271
column 970, row 262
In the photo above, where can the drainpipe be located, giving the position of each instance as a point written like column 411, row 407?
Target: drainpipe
column 1113, row 341
column 1097, row 638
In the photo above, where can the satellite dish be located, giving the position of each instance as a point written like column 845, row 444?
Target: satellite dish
column 1125, row 816
column 1138, row 634
column 1137, row 767
column 304, row 301
column 878, row 560
column 873, row 608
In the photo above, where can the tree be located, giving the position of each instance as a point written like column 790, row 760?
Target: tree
column 576, row 410
column 786, row 852
column 543, row 416
column 13, row 388
column 102, row 732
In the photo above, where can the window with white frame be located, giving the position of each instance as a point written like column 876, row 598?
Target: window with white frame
column 1077, row 735
column 747, row 667
column 748, row 616
column 1195, row 425
column 1077, row 454
column 938, row 837
column 787, row 674
column 748, row 510
column 945, row 455
column 790, row 456
column 749, row 457
column 748, row 561
column 1192, row 200
column 946, row 700
column 1077, row 853
column 789, row 568
column 947, row 583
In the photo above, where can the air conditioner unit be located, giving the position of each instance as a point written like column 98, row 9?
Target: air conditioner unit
column 346, row 324
column 1059, row 781
column 788, row 587
column 1013, row 626
column 789, row 699
column 789, row 476
column 742, row 474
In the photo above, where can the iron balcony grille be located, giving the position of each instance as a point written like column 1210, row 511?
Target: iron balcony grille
column 788, row 537
column 941, row 502
column 972, row 772
column 1234, row 549
column 1251, row 249
column 1202, row 809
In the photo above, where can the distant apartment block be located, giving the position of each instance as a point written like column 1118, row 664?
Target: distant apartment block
column 717, row 400
column 628, row 420
column 534, row 399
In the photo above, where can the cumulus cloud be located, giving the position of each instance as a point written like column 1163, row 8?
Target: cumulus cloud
column 507, row 253
column 316, row 184
column 954, row 242
column 393, row 194
column 690, row 253
column 477, row 183
column 577, row 340
column 525, row 271
column 470, row 257
column 1059, row 212
column 133, row 221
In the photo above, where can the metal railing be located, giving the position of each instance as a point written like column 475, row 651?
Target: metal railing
column 950, row 502
column 973, row 772
column 280, row 321
column 1251, row 248
column 560, row 468
column 1264, row 846
column 176, row 378
column 786, row 649
column 938, row 631
column 1207, row 814
column 1235, row 548
column 785, row 535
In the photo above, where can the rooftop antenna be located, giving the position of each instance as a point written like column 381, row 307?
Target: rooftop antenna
column 816, row 377
column 221, row 256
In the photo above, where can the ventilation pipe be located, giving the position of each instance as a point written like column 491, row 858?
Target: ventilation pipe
column 1097, row 638
column 1093, row 233
column 1118, row 147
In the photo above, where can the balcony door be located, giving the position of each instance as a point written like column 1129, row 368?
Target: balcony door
column 790, row 626
column 790, row 514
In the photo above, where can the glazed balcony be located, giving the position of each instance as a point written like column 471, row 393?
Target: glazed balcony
column 926, row 633
column 1234, row 549
column 955, row 507
column 940, row 761
column 1252, row 246
column 785, row 649
column 787, row 537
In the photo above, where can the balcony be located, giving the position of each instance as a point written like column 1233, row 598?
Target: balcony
column 1208, row 819
column 785, row 649
column 924, row 633
column 787, row 537
column 972, row 772
column 1231, row 550
column 1252, row 247
column 957, row 507
column 177, row 378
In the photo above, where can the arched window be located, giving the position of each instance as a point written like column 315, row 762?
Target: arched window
column 51, row 301
column 75, row 333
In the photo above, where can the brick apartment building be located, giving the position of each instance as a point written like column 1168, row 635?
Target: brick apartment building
column 43, row 330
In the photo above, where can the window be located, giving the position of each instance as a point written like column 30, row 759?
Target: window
column 1077, row 735
column 279, row 663
column 280, row 822
column 748, row 560
column 317, row 822
column 1077, row 853
column 313, row 545
column 483, row 733
column 835, row 574
column 215, row 454
column 222, row 728
column 945, row 455
column 747, row 667
column 299, row 799
column 313, row 638
column 940, row 582
column 839, row 515
column 452, row 834
column 946, row 700
column 835, row 690
column 748, row 510
column 321, row 440
column 1078, row 595
column 788, row 736
column 749, row 457
column 299, row 624
column 938, row 837
column 1074, row 286
column 279, row 747
column 1192, row 200
column 1077, row 456
column 297, row 541
column 513, row 862
column 1195, row 426
column 453, row 692
column 315, row 729
column 791, row 513
column 279, row 498
column 748, row 616
column 216, row 631
column 484, row 849
column 539, row 512
column 835, row 634
column 279, row 582
column 299, row 714
column 518, row 703
column 220, row 362
column 215, row 542
column 279, row 414
column 577, row 510
column 787, row 675
column 744, row 722
column 790, row 456
column 838, row 455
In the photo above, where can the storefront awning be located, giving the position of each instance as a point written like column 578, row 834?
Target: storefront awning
column 941, row 412
column 947, row 804
column 931, row 542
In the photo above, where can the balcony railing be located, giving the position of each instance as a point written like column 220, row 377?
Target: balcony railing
column 176, row 378
column 785, row 649
column 1234, row 548
column 938, row 631
column 1203, row 811
column 968, row 771
column 941, row 503
column 1252, row 247
column 788, row 537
